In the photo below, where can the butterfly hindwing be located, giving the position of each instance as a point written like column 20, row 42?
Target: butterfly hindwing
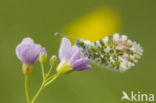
column 115, row 52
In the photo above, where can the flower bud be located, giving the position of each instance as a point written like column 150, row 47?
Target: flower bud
column 43, row 56
column 27, row 69
column 53, row 60
column 64, row 67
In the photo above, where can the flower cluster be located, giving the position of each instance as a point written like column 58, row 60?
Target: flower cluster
column 71, row 59
column 116, row 52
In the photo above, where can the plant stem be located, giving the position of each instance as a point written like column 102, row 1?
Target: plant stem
column 44, row 84
column 26, row 88
column 49, row 71
column 53, row 79
column 48, row 79
column 43, row 74
column 38, row 93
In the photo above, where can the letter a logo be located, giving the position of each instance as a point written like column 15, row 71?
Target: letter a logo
column 125, row 96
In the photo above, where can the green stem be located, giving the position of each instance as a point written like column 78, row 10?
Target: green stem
column 48, row 79
column 38, row 93
column 53, row 79
column 43, row 73
column 44, row 84
column 49, row 71
column 26, row 88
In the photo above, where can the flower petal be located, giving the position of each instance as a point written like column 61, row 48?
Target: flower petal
column 27, row 40
column 83, row 68
column 78, row 64
column 76, row 54
column 65, row 49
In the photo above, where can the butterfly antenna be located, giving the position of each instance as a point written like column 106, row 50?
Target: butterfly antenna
column 61, row 35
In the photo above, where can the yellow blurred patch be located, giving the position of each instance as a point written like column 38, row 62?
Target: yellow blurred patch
column 95, row 25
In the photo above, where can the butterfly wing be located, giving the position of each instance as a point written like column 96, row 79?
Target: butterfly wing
column 115, row 52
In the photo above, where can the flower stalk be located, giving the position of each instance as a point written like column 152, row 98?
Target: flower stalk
column 53, row 79
column 50, row 70
column 38, row 93
column 46, row 81
column 26, row 88
column 43, row 85
column 43, row 73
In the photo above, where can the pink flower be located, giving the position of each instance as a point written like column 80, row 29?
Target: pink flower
column 71, row 56
column 27, row 51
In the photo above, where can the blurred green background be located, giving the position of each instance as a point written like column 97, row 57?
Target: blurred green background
column 40, row 19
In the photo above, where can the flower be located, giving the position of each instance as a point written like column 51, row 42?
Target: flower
column 43, row 55
column 71, row 58
column 28, row 52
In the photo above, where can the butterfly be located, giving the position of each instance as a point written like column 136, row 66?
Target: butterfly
column 115, row 52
